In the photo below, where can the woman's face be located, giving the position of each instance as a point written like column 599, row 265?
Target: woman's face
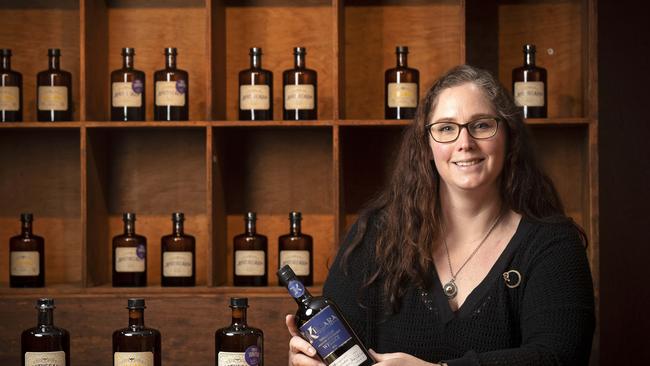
column 467, row 163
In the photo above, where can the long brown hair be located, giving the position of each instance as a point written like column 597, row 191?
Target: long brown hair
column 407, row 212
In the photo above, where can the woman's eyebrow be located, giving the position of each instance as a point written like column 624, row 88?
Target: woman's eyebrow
column 474, row 117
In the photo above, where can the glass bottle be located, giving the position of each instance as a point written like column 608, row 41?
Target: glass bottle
column 128, row 101
column 136, row 344
column 239, row 344
column 255, row 90
column 54, row 91
column 45, row 344
column 27, row 256
column 296, row 250
column 171, row 91
column 300, row 89
column 322, row 324
column 402, row 88
column 129, row 256
column 529, row 86
column 177, row 255
column 11, row 90
column 250, row 255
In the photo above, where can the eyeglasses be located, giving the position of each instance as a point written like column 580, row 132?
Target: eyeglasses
column 482, row 128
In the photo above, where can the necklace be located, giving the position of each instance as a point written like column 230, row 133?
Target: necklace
column 450, row 288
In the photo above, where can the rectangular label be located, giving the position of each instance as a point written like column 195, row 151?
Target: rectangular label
column 177, row 264
column 167, row 94
column 325, row 332
column 127, row 260
column 352, row 357
column 9, row 98
column 297, row 259
column 56, row 358
column 125, row 96
column 254, row 97
column 231, row 359
column 52, row 98
column 25, row 263
column 529, row 93
column 403, row 95
column 133, row 359
column 249, row 262
column 299, row 97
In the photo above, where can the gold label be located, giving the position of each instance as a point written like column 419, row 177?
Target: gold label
column 127, row 260
column 403, row 95
column 249, row 262
column 133, row 359
column 254, row 97
column 297, row 259
column 177, row 264
column 125, row 96
column 299, row 97
column 25, row 263
column 9, row 98
column 52, row 98
column 529, row 93
column 167, row 94
column 232, row 359
column 45, row 358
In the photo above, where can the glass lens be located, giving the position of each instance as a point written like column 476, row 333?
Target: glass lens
column 483, row 128
column 444, row 131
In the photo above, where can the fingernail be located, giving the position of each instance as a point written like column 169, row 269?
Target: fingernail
column 312, row 351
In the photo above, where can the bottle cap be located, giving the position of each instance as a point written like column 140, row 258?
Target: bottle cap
column 54, row 52
column 128, row 216
column 128, row 51
column 5, row 52
column 255, row 51
column 27, row 217
column 45, row 303
column 170, row 51
column 295, row 215
column 178, row 216
column 239, row 302
column 401, row 49
column 529, row 48
column 250, row 216
column 286, row 274
column 299, row 51
column 135, row 304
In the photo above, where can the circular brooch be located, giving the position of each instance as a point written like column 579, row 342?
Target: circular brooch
column 512, row 278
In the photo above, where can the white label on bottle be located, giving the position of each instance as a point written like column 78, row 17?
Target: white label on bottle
column 529, row 93
column 127, row 260
column 9, row 98
column 249, row 262
column 231, row 359
column 125, row 96
column 177, row 264
column 297, row 259
column 56, row 358
column 352, row 357
column 25, row 263
column 403, row 95
column 299, row 96
column 254, row 97
column 133, row 359
column 52, row 98
column 167, row 94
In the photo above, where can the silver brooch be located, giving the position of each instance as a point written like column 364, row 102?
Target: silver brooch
column 512, row 278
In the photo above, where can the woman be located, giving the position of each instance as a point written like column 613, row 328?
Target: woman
column 467, row 257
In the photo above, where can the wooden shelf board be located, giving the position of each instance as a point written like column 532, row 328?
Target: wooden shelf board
column 565, row 121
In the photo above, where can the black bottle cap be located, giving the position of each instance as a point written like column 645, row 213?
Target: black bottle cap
column 128, row 216
column 286, row 274
column 54, row 52
column 170, row 51
column 45, row 303
column 529, row 48
column 128, row 51
column 295, row 215
column 299, row 51
column 250, row 216
column 135, row 304
column 26, row 217
column 239, row 302
column 401, row 49
column 178, row 216
column 255, row 51
column 5, row 52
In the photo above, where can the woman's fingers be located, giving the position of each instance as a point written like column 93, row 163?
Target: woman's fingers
column 302, row 360
column 291, row 325
column 299, row 345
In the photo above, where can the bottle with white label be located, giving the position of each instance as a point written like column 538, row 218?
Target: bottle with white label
column 129, row 256
column 45, row 344
column 128, row 101
column 322, row 324
column 402, row 88
column 171, row 91
column 54, row 91
column 250, row 262
column 26, row 256
column 529, row 86
column 255, row 90
column 11, row 90
column 296, row 250
column 239, row 344
column 177, row 255
column 300, row 89
column 136, row 344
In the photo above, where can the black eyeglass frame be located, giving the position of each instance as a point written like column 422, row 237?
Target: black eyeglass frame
column 464, row 125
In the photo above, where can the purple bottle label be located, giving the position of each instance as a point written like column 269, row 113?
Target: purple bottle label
column 141, row 251
column 181, row 86
column 252, row 355
column 137, row 86
column 296, row 289
column 325, row 332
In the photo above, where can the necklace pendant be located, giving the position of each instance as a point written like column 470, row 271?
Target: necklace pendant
column 450, row 289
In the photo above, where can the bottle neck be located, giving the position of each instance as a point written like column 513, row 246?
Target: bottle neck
column 26, row 228
column 170, row 61
column 402, row 59
column 295, row 227
column 127, row 62
column 178, row 228
column 299, row 61
column 6, row 63
column 136, row 318
column 129, row 227
column 529, row 58
column 250, row 228
column 256, row 61
column 45, row 317
column 239, row 316
column 305, row 299
column 54, row 62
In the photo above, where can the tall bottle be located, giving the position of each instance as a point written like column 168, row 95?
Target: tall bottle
column 45, row 344
column 322, row 324
column 250, row 260
column 296, row 250
column 129, row 256
column 255, row 90
column 529, row 86
column 27, row 256
column 11, row 90
column 128, row 101
column 136, row 344
column 177, row 255
column 54, row 91
column 171, row 91
column 239, row 344
column 300, row 89
column 402, row 88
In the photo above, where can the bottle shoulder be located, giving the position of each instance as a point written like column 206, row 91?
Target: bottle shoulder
column 46, row 331
column 136, row 332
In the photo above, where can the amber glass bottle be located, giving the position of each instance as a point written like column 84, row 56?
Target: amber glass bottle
column 45, row 344
column 300, row 89
column 54, row 91
column 402, row 88
column 296, row 250
column 529, row 86
column 136, row 344
column 11, row 90
column 171, row 91
column 26, row 256
column 128, row 101
column 177, row 255
column 250, row 260
column 129, row 256
column 255, row 90
column 239, row 344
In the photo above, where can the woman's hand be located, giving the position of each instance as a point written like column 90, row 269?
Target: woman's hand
column 301, row 353
column 398, row 358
